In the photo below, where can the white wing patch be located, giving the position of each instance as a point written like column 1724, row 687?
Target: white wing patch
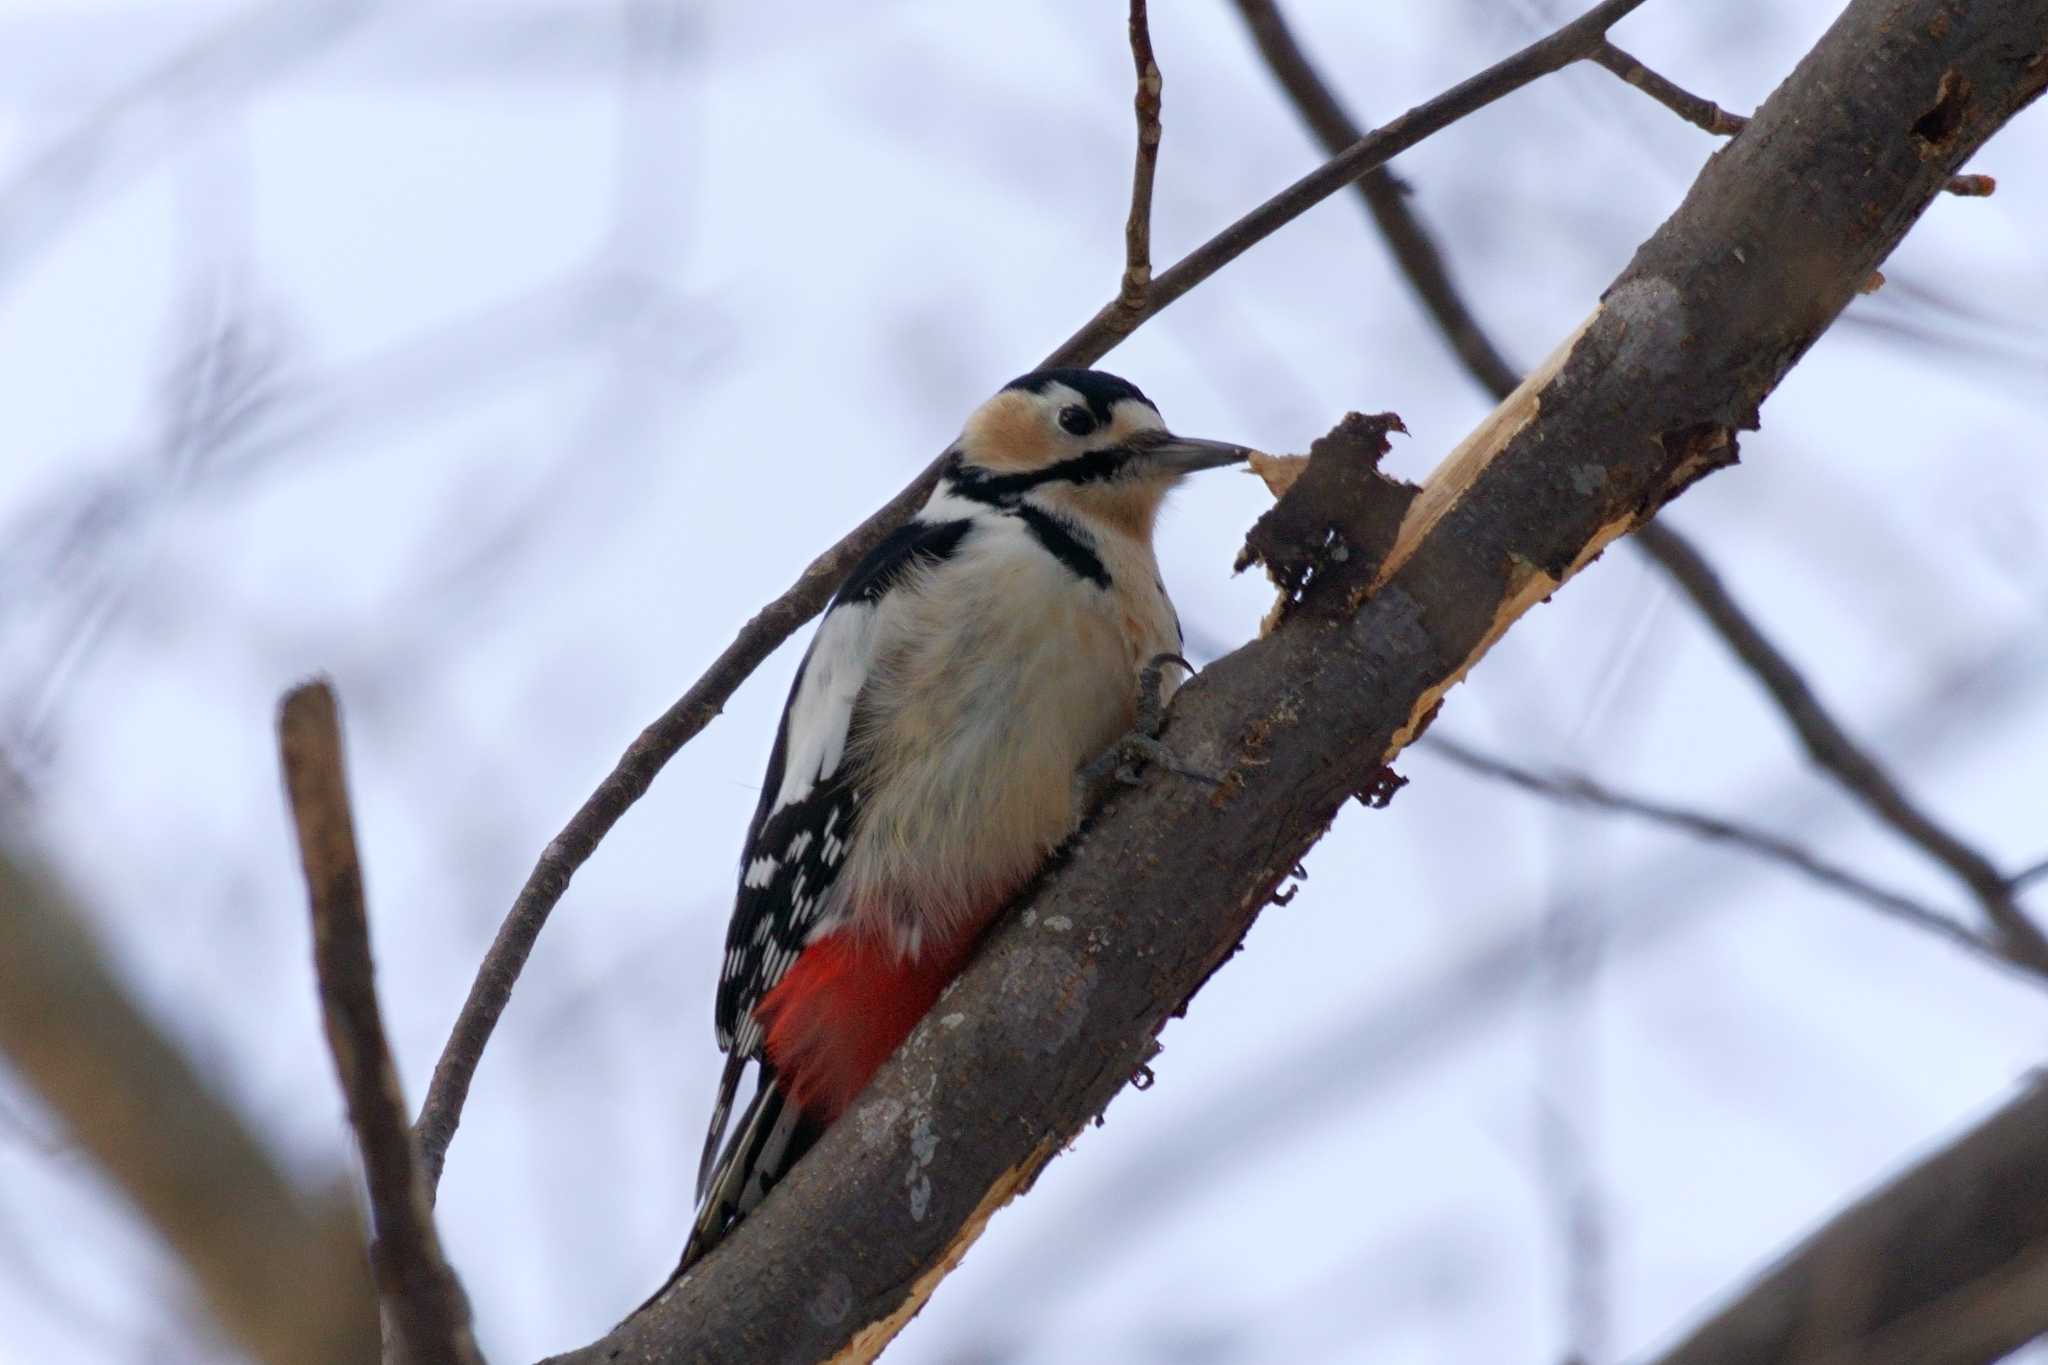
column 760, row 872
column 821, row 713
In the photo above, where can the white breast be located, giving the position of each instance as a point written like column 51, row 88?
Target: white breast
column 996, row 675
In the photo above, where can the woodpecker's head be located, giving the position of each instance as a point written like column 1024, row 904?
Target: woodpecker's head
column 1079, row 441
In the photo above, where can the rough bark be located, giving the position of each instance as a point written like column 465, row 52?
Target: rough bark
column 1062, row 1005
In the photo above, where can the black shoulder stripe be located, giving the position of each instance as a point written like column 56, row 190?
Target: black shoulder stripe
column 908, row 544
column 1062, row 544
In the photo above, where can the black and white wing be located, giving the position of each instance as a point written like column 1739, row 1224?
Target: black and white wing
column 809, row 798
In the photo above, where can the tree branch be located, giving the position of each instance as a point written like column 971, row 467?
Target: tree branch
column 424, row 1301
column 1137, row 281
column 1710, row 117
column 1374, row 1041
column 1415, row 251
column 1422, row 263
column 1831, row 747
column 1700, row 113
column 282, row 1274
column 1946, row 1264
column 503, row 961
column 1560, row 49
column 1061, row 1006
column 1578, row 790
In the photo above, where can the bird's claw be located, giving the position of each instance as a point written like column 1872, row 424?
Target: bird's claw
column 1152, row 692
column 1123, row 760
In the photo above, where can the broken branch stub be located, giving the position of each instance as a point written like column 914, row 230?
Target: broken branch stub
column 1337, row 519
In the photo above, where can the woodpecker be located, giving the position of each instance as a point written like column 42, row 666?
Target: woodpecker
column 967, row 669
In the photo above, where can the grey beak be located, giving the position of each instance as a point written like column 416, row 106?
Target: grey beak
column 1185, row 454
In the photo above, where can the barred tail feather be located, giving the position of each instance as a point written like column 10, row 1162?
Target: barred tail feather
column 772, row 1135
column 721, row 1118
column 834, row 1016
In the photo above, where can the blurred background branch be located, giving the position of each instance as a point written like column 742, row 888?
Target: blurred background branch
column 282, row 1273
column 1578, row 789
column 1947, row 1264
column 423, row 1302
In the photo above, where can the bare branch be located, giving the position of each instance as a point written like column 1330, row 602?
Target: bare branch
column 1579, row 790
column 1824, row 736
column 1831, row 747
column 282, row 1274
column 1946, row 1264
column 424, row 1300
column 1138, row 228
column 1700, row 113
column 1560, row 49
column 1710, row 117
column 118, row 135
column 1421, row 262
column 2026, row 878
column 442, row 1110
column 1062, row 1004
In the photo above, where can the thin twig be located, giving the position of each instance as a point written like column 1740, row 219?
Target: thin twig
column 1417, row 254
column 1842, row 757
column 1576, row 789
column 1560, row 49
column 1704, row 114
column 1138, row 228
column 1825, row 738
column 1700, row 113
column 425, row 1303
column 282, row 1274
column 776, row 622
column 2030, row 875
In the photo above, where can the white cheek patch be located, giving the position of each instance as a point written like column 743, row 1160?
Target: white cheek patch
column 822, row 712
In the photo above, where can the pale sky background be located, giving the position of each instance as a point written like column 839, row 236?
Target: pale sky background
column 555, row 338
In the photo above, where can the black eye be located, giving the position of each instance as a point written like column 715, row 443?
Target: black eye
column 1077, row 420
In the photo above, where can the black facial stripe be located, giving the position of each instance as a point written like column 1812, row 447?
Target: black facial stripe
column 972, row 481
column 1061, row 542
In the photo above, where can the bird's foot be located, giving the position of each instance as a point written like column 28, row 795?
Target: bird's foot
column 1122, row 761
column 1152, row 693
